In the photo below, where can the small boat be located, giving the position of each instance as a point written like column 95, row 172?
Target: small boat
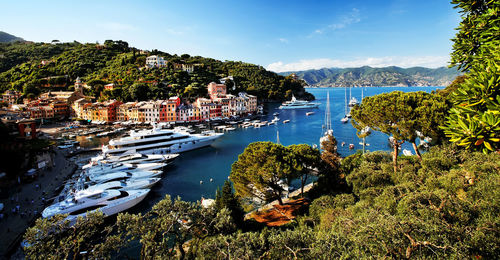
column 286, row 121
column 342, row 144
column 361, row 143
column 407, row 152
column 309, row 113
column 351, row 146
column 229, row 129
column 345, row 119
column 276, row 114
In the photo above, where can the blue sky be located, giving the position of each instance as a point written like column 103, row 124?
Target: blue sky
column 279, row 35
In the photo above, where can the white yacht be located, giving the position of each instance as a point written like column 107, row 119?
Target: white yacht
column 296, row 104
column 117, row 176
column 129, row 184
column 109, row 202
column 101, row 168
column 159, row 141
column 352, row 100
column 347, row 115
column 133, row 158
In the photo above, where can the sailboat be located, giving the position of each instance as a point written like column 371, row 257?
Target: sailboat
column 327, row 128
column 346, row 117
column 352, row 100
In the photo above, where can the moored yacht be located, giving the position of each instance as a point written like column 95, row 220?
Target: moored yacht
column 109, row 202
column 128, row 184
column 134, row 158
column 296, row 104
column 117, row 176
column 102, row 168
column 159, row 141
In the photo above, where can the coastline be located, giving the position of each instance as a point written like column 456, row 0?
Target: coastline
column 373, row 86
column 31, row 197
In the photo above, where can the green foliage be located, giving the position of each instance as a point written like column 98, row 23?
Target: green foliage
column 477, row 40
column 331, row 179
column 225, row 198
column 304, row 159
column 402, row 115
column 474, row 121
column 53, row 238
column 259, row 171
column 263, row 167
column 117, row 63
column 445, row 207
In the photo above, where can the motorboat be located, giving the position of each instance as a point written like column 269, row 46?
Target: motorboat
column 297, row 104
column 159, row 141
column 309, row 113
column 109, row 202
column 128, row 184
column 102, row 168
column 344, row 119
column 116, row 176
column 134, row 158
column 407, row 152
column 286, row 121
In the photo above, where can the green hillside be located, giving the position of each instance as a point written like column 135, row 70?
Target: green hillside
column 5, row 37
column 388, row 76
column 115, row 62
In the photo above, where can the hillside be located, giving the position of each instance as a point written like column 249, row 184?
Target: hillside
column 21, row 68
column 387, row 76
column 5, row 37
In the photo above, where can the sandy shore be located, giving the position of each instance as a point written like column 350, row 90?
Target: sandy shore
column 31, row 198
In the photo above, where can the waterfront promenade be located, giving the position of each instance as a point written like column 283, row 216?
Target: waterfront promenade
column 28, row 201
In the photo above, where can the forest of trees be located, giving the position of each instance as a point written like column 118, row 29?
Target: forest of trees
column 442, row 204
column 115, row 62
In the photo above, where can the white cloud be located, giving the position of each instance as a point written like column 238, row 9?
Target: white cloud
column 283, row 40
column 117, row 27
column 174, row 31
column 180, row 30
column 400, row 61
column 350, row 18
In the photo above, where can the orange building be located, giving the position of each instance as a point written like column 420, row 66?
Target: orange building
column 216, row 90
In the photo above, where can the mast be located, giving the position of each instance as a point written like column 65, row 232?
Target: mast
column 328, row 121
column 345, row 101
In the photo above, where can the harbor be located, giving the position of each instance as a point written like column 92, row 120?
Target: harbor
column 198, row 173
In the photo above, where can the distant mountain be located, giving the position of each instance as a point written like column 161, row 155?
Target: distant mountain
column 387, row 76
column 5, row 37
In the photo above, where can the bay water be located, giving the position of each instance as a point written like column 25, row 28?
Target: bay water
column 198, row 173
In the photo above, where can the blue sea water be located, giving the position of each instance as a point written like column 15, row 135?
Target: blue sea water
column 183, row 177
